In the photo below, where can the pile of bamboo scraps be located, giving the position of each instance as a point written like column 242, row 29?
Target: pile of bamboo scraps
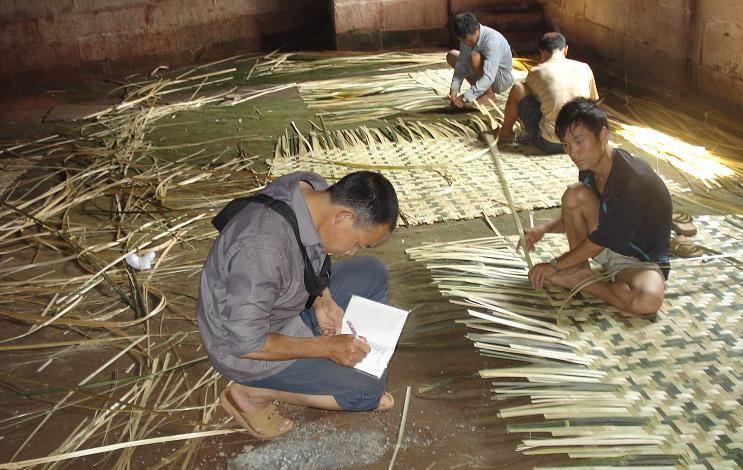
column 626, row 392
column 440, row 171
column 100, row 250
column 352, row 100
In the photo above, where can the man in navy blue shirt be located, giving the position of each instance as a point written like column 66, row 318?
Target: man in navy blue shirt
column 619, row 214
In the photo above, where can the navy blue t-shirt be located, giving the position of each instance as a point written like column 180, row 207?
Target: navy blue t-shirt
column 634, row 211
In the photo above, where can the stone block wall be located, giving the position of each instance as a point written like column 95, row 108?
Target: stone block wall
column 379, row 24
column 680, row 46
column 48, row 41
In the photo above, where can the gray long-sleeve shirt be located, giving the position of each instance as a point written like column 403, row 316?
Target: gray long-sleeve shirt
column 497, row 64
column 252, row 283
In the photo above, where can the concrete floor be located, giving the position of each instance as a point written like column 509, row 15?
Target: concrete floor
column 452, row 421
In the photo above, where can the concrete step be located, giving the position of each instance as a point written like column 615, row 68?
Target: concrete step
column 460, row 6
column 521, row 20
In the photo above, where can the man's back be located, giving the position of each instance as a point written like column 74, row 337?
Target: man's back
column 554, row 83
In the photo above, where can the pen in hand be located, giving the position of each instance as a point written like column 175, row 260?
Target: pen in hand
column 350, row 325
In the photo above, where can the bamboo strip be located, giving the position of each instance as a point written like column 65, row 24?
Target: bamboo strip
column 402, row 428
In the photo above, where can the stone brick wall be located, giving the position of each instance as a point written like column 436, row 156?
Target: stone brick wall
column 379, row 24
column 48, row 41
column 716, row 51
column 679, row 46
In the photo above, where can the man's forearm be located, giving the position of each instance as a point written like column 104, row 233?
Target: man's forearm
column 554, row 226
column 581, row 253
column 280, row 347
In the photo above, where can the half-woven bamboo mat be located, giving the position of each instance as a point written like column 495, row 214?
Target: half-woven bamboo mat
column 359, row 99
column 626, row 392
column 440, row 170
column 289, row 63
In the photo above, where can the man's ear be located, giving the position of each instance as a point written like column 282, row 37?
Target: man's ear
column 565, row 50
column 344, row 217
column 604, row 135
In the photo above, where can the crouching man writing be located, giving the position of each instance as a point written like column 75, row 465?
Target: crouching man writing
column 258, row 316
column 619, row 214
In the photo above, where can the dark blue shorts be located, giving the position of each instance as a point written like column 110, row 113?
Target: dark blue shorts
column 353, row 390
column 530, row 114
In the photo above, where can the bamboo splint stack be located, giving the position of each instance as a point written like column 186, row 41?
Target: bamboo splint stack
column 624, row 392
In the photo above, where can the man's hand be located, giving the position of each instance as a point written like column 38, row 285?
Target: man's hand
column 347, row 350
column 328, row 314
column 540, row 273
column 531, row 237
column 456, row 100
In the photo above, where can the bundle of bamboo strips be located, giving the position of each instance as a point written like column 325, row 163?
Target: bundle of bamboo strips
column 628, row 392
column 517, row 323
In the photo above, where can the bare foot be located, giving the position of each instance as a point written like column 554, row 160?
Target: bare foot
column 571, row 277
column 486, row 98
column 505, row 137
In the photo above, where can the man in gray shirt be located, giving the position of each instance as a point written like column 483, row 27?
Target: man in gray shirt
column 483, row 59
column 251, row 310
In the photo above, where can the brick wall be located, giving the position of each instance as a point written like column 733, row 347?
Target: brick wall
column 48, row 41
column 681, row 46
column 379, row 24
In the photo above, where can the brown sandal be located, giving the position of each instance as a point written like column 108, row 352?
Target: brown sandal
column 268, row 420
column 386, row 402
column 682, row 224
column 685, row 248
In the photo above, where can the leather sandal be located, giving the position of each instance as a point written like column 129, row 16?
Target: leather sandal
column 268, row 420
column 386, row 402
column 684, row 248
column 682, row 224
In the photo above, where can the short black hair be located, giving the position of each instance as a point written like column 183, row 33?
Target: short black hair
column 465, row 24
column 370, row 195
column 580, row 111
column 552, row 42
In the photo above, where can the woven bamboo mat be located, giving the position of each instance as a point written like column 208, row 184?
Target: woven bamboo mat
column 440, row 170
column 654, row 392
column 359, row 99
column 447, row 177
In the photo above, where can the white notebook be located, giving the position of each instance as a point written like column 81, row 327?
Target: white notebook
column 381, row 325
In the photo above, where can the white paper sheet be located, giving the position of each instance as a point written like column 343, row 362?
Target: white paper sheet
column 381, row 325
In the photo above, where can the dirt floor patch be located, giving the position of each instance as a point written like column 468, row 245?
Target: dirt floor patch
column 315, row 447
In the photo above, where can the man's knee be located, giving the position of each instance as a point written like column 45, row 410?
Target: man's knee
column 577, row 195
column 476, row 63
column 475, row 58
column 451, row 57
column 648, row 292
column 645, row 302
column 365, row 393
column 518, row 92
